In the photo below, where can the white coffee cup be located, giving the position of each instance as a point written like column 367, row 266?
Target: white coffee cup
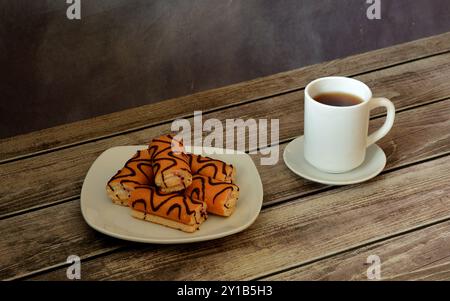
column 336, row 138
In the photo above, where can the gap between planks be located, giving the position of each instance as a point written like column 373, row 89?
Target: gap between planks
column 218, row 108
column 410, row 84
column 417, row 255
column 422, row 225
column 281, row 142
column 352, row 248
column 264, row 208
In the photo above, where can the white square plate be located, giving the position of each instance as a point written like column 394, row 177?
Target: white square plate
column 114, row 220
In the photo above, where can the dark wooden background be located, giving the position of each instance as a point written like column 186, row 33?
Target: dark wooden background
column 126, row 53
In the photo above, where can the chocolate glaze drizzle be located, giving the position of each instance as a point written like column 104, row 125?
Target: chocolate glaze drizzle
column 157, row 200
column 141, row 162
column 163, row 154
column 216, row 165
column 200, row 193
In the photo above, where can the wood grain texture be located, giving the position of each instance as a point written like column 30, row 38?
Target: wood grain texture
column 431, row 129
column 148, row 115
column 293, row 233
column 58, row 175
column 127, row 53
column 417, row 135
column 419, row 255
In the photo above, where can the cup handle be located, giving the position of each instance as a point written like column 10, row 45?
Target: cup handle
column 381, row 132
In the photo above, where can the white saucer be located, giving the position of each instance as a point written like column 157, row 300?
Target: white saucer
column 371, row 167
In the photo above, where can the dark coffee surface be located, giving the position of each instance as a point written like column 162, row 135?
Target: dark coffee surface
column 338, row 99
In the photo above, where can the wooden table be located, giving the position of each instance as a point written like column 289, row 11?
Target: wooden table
column 305, row 230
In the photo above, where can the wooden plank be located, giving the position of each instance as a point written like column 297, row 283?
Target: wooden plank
column 292, row 233
column 58, row 175
column 153, row 114
column 436, row 273
column 59, row 222
column 419, row 255
column 418, row 134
